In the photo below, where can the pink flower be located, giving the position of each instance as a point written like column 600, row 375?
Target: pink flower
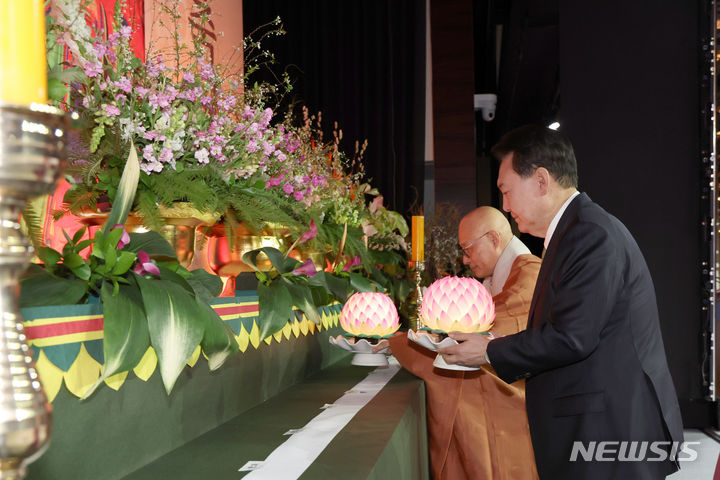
column 310, row 234
column 288, row 188
column 93, row 69
column 112, row 110
column 189, row 77
column 298, row 195
column 124, row 238
column 375, row 204
column 307, row 268
column 145, row 266
column 355, row 262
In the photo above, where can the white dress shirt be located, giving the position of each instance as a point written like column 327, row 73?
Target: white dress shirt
column 556, row 218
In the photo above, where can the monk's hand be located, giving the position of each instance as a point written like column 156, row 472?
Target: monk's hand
column 470, row 350
column 382, row 345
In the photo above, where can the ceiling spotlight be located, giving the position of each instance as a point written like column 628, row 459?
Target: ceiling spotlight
column 554, row 125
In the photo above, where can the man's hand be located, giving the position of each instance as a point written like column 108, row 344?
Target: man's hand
column 469, row 352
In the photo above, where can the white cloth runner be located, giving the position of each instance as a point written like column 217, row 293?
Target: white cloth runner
column 292, row 458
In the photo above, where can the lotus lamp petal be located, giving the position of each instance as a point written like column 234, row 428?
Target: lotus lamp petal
column 457, row 304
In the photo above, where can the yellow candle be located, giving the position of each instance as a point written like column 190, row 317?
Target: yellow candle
column 23, row 59
column 417, row 240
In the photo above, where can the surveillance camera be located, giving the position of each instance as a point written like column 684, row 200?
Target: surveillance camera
column 486, row 102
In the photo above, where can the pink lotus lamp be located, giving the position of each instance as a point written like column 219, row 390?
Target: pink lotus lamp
column 367, row 316
column 454, row 304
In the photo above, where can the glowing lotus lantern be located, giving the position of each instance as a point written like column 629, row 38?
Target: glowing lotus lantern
column 455, row 304
column 367, row 314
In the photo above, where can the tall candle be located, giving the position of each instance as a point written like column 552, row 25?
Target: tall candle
column 417, row 240
column 23, row 59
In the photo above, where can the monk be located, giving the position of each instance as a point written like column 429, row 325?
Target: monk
column 477, row 424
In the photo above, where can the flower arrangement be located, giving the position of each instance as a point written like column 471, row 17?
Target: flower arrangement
column 202, row 135
column 146, row 301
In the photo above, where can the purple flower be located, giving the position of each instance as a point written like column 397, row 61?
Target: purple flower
column 145, row 266
column 165, row 155
column 205, row 101
column 353, row 263
column 189, row 77
column 141, row 91
column 310, row 234
column 93, row 69
column 112, row 110
column 126, row 32
column 124, row 84
column 298, row 195
column 149, row 153
column 307, row 268
column 268, row 147
column 124, row 238
column 288, row 188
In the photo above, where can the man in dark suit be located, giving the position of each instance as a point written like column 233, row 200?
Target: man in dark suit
column 600, row 400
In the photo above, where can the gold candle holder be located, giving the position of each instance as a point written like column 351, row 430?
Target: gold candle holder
column 32, row 153
column 416, row 270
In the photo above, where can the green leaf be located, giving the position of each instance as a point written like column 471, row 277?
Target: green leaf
column 175, row 324
column 218, row 341
column 360, row 283
column 151, row 243
column 170, row 275
column 339, row 287
column 124, row 262
column 302, row 299
column 49, row 255
column 83, row 271
column 110, row 255
column 320, row 295
column 275, row 307
column 78, row 235
column 73, row 260
column 125, row 330
column 206, row 285
column 125, row 195
column 45, row 289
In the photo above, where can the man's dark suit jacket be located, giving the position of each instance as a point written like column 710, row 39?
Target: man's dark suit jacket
column 592, row 354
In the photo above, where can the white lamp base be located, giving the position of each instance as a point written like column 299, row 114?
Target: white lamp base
column 363, row 351
column 428, row 341
column 370, row 360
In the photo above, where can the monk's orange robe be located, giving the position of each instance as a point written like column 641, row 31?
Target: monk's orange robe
column 477, row 424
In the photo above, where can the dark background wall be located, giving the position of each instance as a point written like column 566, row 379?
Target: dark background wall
column 363, row 65
column 629, row 88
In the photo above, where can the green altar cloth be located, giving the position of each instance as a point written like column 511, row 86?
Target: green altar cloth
column 385, row 440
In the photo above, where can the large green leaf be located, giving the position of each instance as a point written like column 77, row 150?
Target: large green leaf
column 45, row 289
column 275, row 307
column 302, row 298
column 125, row 195
column 206, row 285
column 125, row 330
column 218, row 341
column 151, row 243
column 361, row 284
column 273, row 254
column 339, row 287
column 175, row 324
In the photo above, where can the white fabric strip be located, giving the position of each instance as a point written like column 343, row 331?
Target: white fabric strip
column 292, row 458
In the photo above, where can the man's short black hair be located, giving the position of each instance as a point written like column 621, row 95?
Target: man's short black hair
column 535, row 146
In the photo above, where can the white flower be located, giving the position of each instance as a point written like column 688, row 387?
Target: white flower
column 202, row 155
